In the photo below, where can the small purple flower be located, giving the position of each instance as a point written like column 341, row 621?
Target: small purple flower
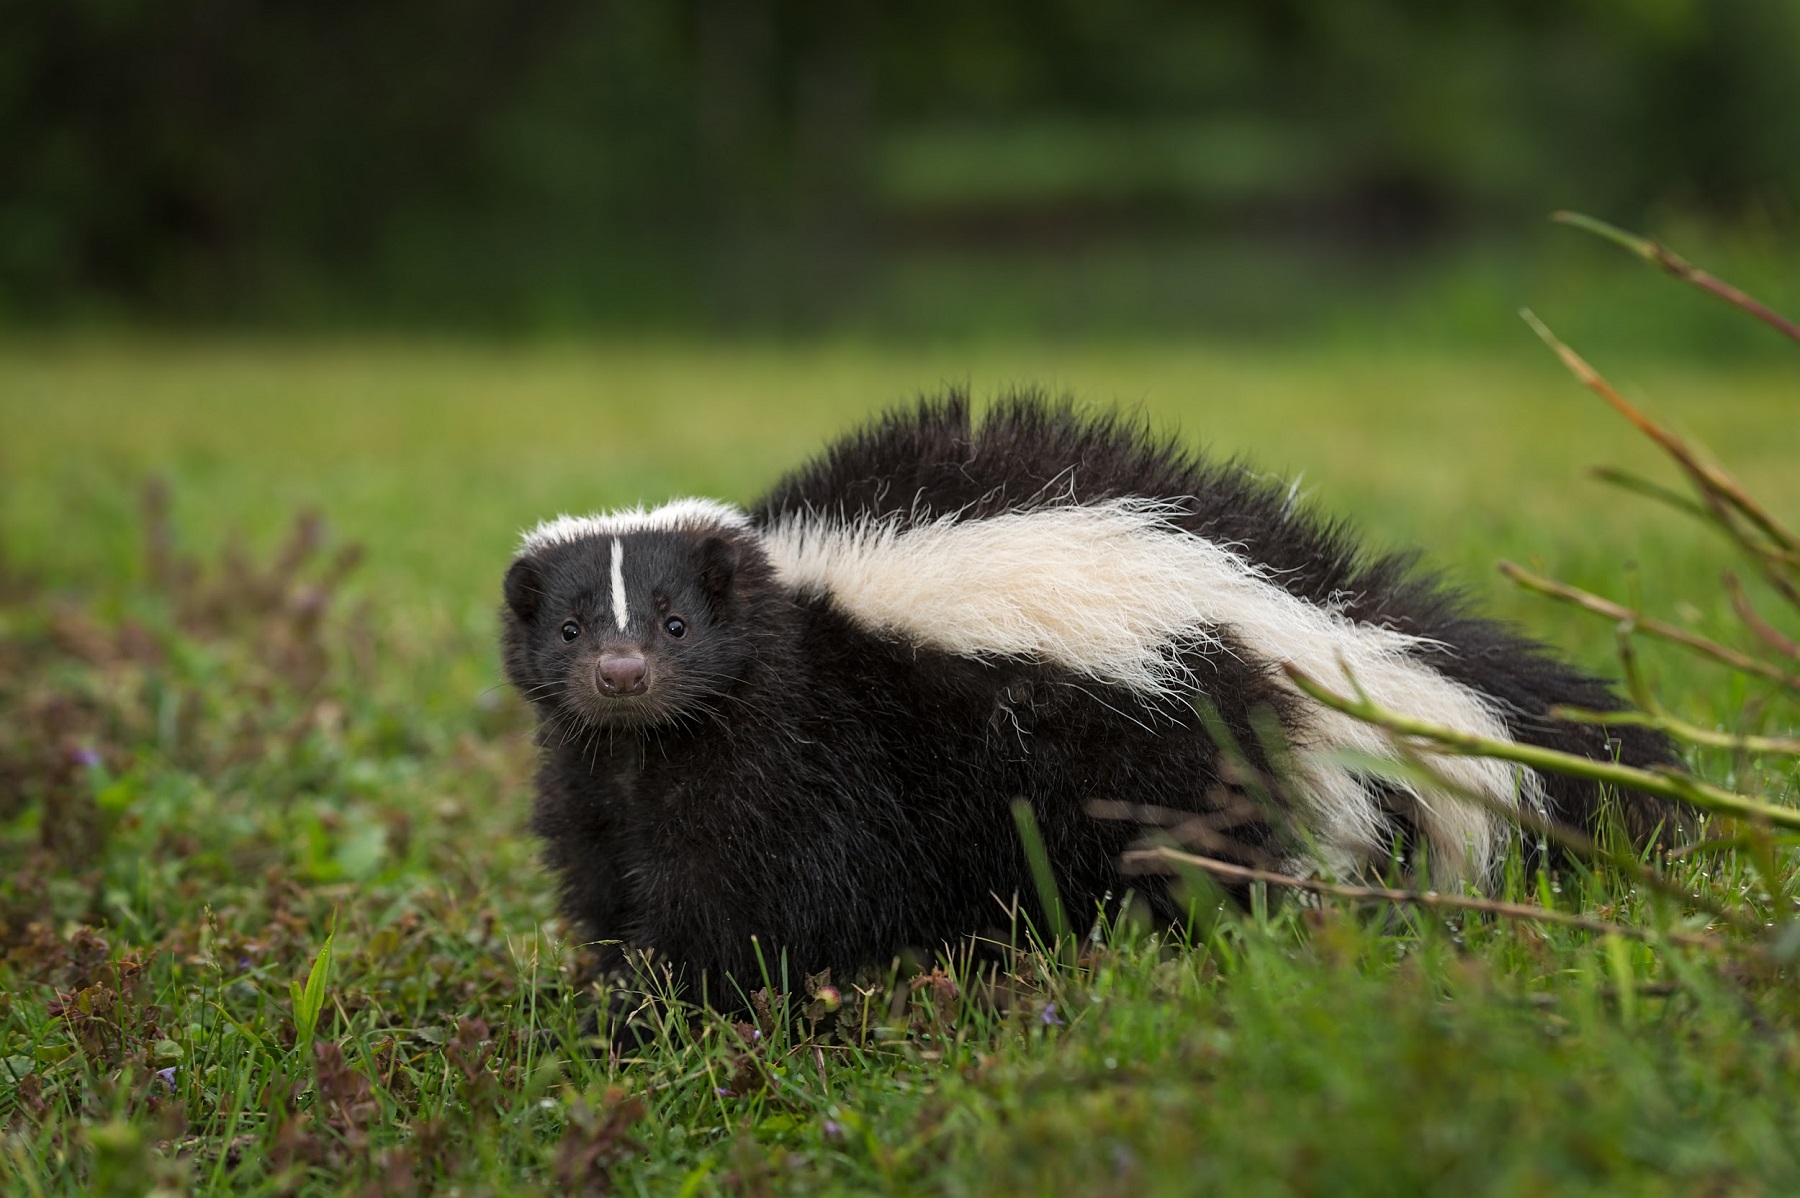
column 833, row 1129
column 1048, row 1018
column 167, row 1077
column 87, row 756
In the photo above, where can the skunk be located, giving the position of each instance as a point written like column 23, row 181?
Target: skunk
column 796, row 733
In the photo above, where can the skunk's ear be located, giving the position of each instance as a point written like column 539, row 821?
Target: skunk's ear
column 524, row 588
column 718, row 565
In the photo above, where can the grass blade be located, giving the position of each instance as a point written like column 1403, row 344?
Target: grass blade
column 309, row 1000
column 1042, row 878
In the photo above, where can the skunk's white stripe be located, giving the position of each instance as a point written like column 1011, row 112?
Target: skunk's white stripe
column 679, row 515
column 620, row 616
column 1116, row 592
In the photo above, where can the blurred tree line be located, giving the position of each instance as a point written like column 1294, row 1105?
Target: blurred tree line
column 760, row 162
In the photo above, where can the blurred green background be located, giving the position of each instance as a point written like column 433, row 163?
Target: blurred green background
column 1362, row 170
column 439, row 270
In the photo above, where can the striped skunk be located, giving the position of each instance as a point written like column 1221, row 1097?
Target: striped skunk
column 806, row 723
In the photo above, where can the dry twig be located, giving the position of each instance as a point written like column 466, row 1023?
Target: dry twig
column 1740, row 603
column 1572, row 839
column 1721, row 493
column 1418, row 898
column 1667, row 260
column 1589, row 601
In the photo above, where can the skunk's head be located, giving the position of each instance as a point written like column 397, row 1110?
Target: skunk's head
column 636, row 618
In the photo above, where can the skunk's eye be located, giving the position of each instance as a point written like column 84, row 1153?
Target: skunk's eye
column 676, row 626
column 571, row 630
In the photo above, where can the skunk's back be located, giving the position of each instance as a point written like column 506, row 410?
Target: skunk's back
column 932, row 460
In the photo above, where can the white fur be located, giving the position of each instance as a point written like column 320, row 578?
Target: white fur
column 1116, row 592
column 621, row 616
column 678, row 515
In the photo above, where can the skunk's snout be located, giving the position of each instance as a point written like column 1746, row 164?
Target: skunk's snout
column 620, row 676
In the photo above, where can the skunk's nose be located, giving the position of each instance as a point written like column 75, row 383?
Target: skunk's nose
column 620, row 676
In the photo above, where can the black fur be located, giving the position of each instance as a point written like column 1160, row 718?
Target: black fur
column 839, row 796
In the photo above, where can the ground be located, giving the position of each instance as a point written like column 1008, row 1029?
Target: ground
column 213, row 756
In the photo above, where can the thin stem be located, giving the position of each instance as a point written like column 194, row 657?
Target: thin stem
column 1572, row 839
column 1681, row 730
column 1635, row 684
column 1666, row 784
column 1626, row 481
column 1667, row 260
column 1740, row 603
column 1712, row 481
column 1589, row 601
column 1419, row 898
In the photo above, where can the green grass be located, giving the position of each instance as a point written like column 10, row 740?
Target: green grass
column 192, row 798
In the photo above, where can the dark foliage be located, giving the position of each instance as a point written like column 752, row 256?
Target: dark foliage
column 472, row 160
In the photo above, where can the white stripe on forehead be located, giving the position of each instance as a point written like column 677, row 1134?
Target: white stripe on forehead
column 678, row 515
column 620, row 616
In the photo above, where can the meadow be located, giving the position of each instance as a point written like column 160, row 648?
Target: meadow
column 230, row 752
